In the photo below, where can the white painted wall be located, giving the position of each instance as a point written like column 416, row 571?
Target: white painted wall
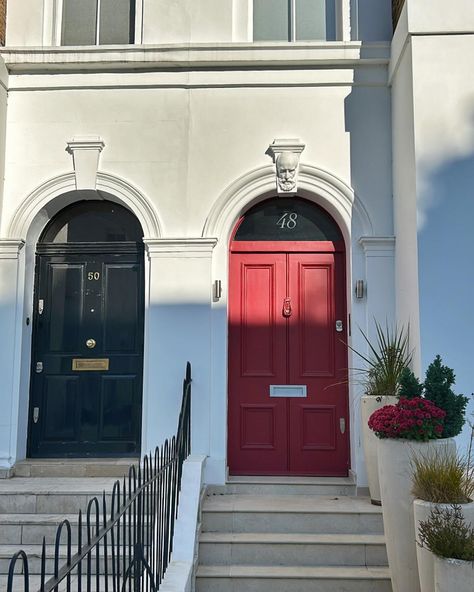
column 433, row 98
column 183, row 140
column 405, row 192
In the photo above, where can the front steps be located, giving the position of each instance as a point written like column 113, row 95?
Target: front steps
column 274, row 538
column 31, row 507
column 73, row 467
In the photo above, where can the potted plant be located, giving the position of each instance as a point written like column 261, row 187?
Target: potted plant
column 410, row 427
column 381, row 379
column 451, row 539
column 437, row 388
column 440, row 479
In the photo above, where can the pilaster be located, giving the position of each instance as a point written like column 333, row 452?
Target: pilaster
column 10, row 322
column 178, row 329
column 379, row 279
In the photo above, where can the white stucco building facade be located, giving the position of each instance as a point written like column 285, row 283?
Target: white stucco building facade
column 176, row 127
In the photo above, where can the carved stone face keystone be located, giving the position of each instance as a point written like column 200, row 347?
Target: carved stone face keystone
column 286, row 165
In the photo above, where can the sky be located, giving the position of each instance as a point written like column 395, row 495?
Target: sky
column 446, row 271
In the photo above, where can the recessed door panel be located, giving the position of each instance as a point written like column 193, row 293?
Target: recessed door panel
column 258, row 322
column 58, row 408
column 64, row 312
column 312, row 328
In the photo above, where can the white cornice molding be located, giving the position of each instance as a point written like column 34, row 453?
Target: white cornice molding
column 378, row 246
column 10, row 248
column 210, row 55
column 180, row 247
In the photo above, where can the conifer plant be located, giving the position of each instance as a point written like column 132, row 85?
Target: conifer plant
column 409, row 385
column 437, row 386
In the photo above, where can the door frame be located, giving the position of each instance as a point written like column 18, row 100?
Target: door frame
column 51, row 249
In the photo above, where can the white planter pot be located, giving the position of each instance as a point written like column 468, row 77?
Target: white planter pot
column 369, row 404
column 425, row 558
column 453, row 575
column 394, row 458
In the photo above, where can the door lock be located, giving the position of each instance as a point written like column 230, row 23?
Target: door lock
column 91, row 343
column 39, row 367
column 339, row 326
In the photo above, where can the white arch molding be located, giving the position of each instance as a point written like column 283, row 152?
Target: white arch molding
column 47, row 192
column 315, row 184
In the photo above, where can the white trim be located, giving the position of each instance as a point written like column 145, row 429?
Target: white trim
column 378, row 246
column 340, row 54
column 334, row 195
column 10, row 248
column 131, row 198
column 138, row 22
column 188, row 247
column 179, row 574
column 58, row 23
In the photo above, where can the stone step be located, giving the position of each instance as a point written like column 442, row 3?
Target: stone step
column 291, row 514
column 292, row 549
column 47, row 495
column 29, row 529
column 285, row 486
column 35, row 582
column 34, row 559
column 74, row 467
column 244, row 578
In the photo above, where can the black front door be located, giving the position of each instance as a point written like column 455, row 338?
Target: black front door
column 87, row 355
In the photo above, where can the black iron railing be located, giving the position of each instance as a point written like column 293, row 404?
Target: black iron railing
column 124, row 541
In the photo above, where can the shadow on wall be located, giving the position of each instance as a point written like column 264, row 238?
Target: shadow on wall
column 446, row 251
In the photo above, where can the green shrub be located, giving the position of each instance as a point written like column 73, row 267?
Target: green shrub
column 438, row 383
column 441, row 476
column 446, row 534
column 410, row 386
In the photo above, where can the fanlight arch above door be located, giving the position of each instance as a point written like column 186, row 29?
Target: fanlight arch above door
column 287, row 219
column 93, row 222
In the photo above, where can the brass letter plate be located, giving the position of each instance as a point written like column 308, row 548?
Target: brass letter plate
column 84, row 364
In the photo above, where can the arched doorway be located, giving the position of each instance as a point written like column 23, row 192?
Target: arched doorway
column 87, row 347
column 288, row 397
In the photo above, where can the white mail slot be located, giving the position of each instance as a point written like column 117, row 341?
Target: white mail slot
column 287, row 390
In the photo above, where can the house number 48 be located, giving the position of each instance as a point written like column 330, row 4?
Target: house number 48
column 288, row 220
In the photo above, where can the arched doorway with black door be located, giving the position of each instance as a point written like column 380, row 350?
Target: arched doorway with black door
column 88, row 327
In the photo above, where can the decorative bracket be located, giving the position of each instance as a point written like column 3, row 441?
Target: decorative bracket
column 85, row 156
column 285, row 153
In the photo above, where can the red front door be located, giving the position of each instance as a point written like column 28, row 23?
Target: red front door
column 288, row 409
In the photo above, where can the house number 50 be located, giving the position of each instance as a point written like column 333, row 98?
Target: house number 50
column 93, row 275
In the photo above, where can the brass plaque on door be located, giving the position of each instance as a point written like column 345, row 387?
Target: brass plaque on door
column 85, row 364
